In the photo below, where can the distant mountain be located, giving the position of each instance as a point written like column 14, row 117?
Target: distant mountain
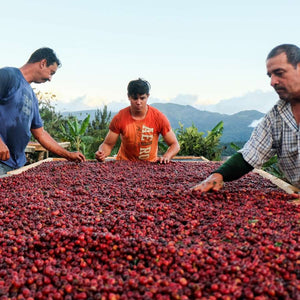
column 236, row 127
column 256, row 100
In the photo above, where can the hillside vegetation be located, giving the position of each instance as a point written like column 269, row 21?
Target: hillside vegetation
column 236, row 126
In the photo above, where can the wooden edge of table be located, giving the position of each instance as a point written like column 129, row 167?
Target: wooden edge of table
column 25, row 168
column 288, row 188
column 199, row 158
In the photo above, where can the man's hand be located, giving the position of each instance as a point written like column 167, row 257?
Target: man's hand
column 214, row 182
column 100, row 156
column 76, row 157
column 296, row 195
column 163, row 159
column 4, row 151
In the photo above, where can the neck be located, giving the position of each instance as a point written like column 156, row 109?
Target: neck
column 26, row 70
column 138, row 115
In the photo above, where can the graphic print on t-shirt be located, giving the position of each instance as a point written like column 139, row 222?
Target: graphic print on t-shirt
column 27, row 105
column 146, row 142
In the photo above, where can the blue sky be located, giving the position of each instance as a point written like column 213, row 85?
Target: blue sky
column 199, row 51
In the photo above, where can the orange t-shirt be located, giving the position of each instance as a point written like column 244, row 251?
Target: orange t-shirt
column 139, row 138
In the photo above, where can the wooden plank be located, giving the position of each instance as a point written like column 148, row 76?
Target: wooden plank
column 65, row 144
column 29, row 149
column 58, row 159
column 43, row 153
column 25, row 168
column 190, row 158
column 38, row 147
column 290, row 189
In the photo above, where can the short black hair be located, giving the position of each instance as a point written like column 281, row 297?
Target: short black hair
column 138, row 87
column 44, row 53
column 292, row 53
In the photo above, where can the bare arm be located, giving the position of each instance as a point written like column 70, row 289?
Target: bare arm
column 106, row 147
column 44, row 138
column 171, row 141
column 4, row 151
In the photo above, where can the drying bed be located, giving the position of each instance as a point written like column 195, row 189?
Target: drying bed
column 134, row 230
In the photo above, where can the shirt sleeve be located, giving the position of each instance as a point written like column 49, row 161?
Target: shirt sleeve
column 114, row 124
column 259, row 147
column 234, row 168
column 5, row 80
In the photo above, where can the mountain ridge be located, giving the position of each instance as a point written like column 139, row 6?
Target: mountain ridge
column 236, row 126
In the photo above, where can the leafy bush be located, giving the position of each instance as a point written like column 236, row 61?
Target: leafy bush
column 193, row 142
column 97, row 130
column 50, row 117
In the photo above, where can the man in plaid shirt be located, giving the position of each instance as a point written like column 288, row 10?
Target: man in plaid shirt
column 278, row 133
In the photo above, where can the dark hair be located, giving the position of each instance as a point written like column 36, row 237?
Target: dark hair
column 138, row 87
column 44, row 53
column 292, row 53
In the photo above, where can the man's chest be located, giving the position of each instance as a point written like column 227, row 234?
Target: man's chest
column 139, row 133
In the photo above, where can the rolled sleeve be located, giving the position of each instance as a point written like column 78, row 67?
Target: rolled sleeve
column 259, row 147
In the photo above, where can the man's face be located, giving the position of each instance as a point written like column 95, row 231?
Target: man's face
column 45, row 72
column 139, row 104
column 285, row 78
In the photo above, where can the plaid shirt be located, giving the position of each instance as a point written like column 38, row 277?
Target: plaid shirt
column 278, row 133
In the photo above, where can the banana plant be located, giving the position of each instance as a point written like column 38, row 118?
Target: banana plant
column 73, row 131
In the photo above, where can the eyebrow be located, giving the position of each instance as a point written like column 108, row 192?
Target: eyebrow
column 274, row 71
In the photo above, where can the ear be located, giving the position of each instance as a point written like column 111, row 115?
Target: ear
column 43, row 63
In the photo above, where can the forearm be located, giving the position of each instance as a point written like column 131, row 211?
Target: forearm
column 234, row 168
column 171, row 140
column 105, row 149
column 172, row 151
column 51, row 145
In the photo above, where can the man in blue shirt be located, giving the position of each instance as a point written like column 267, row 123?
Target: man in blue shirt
column 19, row 111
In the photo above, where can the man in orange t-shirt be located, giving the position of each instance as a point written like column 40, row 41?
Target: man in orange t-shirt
column 139, row 126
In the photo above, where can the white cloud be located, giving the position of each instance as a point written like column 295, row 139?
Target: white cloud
column 80, row 103
column 185, row 99
column 255, row 123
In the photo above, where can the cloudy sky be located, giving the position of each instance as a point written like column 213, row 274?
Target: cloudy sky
column 203, row 50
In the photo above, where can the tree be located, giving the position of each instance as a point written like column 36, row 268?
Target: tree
column 51, row 119
column 193, row 142
column 101, row 121
column 98, row 130
column 73, row 131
